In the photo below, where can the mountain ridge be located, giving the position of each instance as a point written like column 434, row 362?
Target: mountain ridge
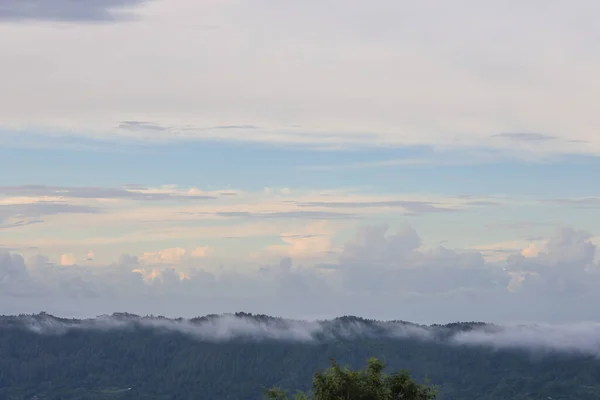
column 218, row 357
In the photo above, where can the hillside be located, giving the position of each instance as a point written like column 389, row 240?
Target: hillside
column 230, row 357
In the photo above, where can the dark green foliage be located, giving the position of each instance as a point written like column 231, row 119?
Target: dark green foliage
column 103, row 364
column 371, row 383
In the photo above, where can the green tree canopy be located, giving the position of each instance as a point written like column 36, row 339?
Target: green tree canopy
column 370, row 383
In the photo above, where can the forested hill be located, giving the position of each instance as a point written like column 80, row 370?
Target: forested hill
column 230, row 357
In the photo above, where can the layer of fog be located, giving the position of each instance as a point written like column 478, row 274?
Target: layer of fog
column 581, row 338
column 218, row 328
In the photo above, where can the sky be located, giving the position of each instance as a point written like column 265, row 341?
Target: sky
column 389, row 159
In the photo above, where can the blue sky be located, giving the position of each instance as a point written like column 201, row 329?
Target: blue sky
column 237, row 164
column 150, row 148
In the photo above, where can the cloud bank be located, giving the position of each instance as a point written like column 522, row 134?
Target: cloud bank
column 377, row 274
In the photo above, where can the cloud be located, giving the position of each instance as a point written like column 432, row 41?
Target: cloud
column 20, row 215
column 170, row 256
column 520, row 225
column 148, row 275
column 145, row 126
column 234, row 127
column 127, row 260
column 377, row 267
column 531, row 251
column 66, row 10
column 389, row 60
column 199, row 252
column 313, row 241
column 166, row 256
column 482, row 203
column 377, row 260
column 322, row 215
column 15, row 280
column 568, row 247
column 525, row 136
column 46, row 208
column 129, row 193
column 67, row 259
column 16, row 222
column 142, row 125
column 564, row 268
column 583, row 203
column 416, row 207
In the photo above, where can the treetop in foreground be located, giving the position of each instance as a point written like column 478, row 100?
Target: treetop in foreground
column 370, row 383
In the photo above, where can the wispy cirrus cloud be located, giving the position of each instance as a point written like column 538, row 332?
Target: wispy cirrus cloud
column 151, row 126
column 17, row 222
column 16, row 216
column 129, row 193
column 524, row 136
column 410, row 206
column 584, row 203
column 322, row 215
column 519, row 225
column 43, row 208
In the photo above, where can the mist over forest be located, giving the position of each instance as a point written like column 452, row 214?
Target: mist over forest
column 233, row 356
